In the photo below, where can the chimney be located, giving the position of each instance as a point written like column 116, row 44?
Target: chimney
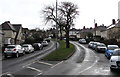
column 7, row 21
column 113, row 21
column 95, row 25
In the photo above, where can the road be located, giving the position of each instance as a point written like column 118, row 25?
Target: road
column 84, row 62
column 12, row 65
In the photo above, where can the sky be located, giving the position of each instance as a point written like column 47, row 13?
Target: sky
column 28, row 12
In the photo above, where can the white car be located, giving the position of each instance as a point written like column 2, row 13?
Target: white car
column 45, row 43
column 83, row 41
column 90, row 44
column 28, row 48
column 13, row 50
column 115, row 60
column 100, row 47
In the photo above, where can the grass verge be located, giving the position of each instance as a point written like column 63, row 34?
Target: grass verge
column 62, row 53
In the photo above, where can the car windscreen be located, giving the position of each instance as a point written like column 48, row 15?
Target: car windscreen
column 112, row 48
column 101, row 45
column 116, row 53
column 10, row 47
column 25, row 46
column 44, row 42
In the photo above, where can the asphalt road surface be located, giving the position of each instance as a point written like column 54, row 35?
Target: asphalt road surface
column 13, row 65
column 84, row 61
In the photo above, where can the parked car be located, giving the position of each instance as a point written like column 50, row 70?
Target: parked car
column 115, row 60
column 13, row 50
column 45, row 43
column 90, row 44
column 110, row 50
column 37, row 46
column 47, row 39
column 94, row 45
column 82, row 41
column 28, row 48
column 100, row 47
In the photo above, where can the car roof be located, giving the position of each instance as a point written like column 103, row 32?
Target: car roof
column 112, row 46
column 26, row 44
column 11, row 45
column 101, row 43
column 117, row 49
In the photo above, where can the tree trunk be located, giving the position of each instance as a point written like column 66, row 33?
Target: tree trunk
column 60, row 34
column 67, row 39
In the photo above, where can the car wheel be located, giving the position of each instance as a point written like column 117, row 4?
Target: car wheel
column 111, row 69
column 105, row 54
column 23, row 53
column 5, row 56
column 17, row 55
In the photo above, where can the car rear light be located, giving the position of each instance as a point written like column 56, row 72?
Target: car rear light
column 4, row 49
column 14, row 49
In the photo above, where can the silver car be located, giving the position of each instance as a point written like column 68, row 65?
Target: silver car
column 28, row 48
column 45, row 43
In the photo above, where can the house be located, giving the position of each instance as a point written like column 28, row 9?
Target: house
column 2, row 37
column 113, row 31
column 26, row 33
column 74, row 33
column 104, row 34
column 98, row 31
column 86, row 33
column 19, row 34
column 9, row 33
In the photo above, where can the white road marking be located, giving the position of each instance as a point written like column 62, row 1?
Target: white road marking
column 38, row 74
column 57, row 64
column 88, row 67
column 35, row 69
column 28, row 64
column 7, row 73
column 44, row 63
column 87, row 58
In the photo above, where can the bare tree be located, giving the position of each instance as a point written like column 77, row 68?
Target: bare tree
column 69, row 12
column 50, row 16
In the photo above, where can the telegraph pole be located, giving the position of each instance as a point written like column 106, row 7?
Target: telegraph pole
column 56, row 26
column 95, row 28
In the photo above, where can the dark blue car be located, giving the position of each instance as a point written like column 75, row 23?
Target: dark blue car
column 110, row 50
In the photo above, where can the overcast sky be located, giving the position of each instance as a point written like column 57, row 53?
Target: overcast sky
column 27, row 12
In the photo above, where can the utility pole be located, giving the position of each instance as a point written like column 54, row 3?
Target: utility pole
column 56, row 27
column 95, row 28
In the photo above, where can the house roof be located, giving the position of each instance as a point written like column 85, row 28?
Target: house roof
column 101, row 28
column 17, row 26
column 87, row 30
column 1, row 30
column 118, row 24
column 114, row 26
column 7, row 26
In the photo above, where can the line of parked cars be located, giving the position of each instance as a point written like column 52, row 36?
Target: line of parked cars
column 112, row 52
column 18, row 50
